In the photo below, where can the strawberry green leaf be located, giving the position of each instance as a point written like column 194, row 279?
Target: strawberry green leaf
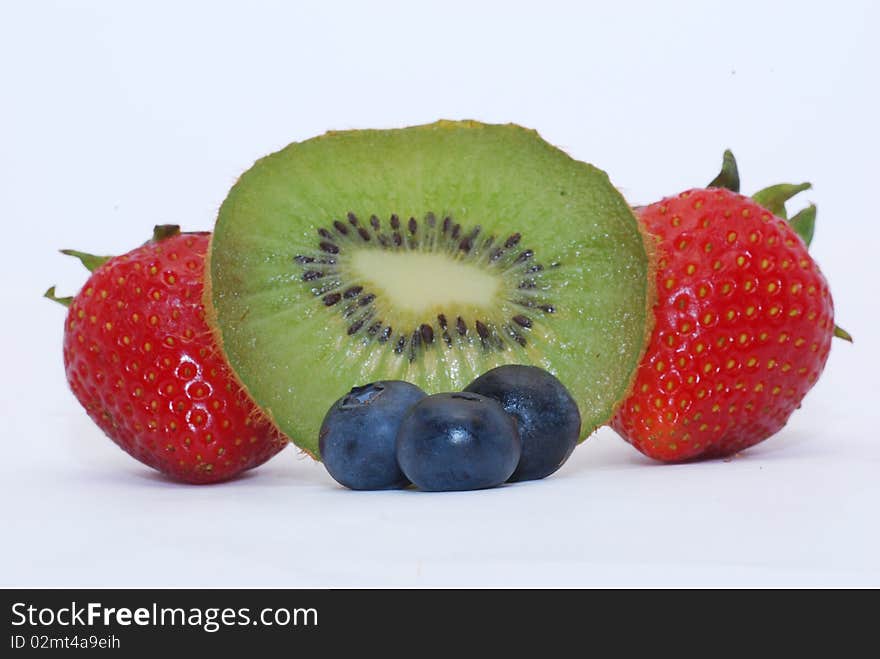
column 50, row 294
column 163, row 231
column 90, row 261
column 841, row 333
column 728, row 177
column 804, row 223
column 774, row 197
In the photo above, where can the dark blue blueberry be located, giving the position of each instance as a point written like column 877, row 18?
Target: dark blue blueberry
column 457, row 442
column 546, row 415
column 357, row 438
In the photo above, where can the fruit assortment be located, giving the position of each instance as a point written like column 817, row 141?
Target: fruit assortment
column 501, row 299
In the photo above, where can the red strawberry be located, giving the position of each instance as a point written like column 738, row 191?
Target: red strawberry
column 744, row 321
column 142, row 361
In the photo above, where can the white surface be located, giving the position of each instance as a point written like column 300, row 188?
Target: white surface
column 115, row 118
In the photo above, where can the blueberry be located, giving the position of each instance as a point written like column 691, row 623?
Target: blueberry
column 357, row 438
column 547, row 416
column 457, row 442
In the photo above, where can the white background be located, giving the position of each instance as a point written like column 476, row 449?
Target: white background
column 117, row 116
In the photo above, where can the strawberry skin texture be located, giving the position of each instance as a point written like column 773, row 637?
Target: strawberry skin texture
column 744, row 322
column 141, row 359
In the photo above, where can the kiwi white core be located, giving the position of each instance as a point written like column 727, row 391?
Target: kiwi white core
column 419, row 282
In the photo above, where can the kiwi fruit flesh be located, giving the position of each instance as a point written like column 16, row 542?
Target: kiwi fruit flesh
column 429, row 254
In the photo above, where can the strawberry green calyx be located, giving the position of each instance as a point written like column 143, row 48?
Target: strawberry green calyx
column 91, row 261
column 804, row 223
column 774, row 197
column 841, row 333
column 728, row 177
column 50, row 294
column 164, row 231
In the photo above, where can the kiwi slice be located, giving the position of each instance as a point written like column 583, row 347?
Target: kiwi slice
column 429, row 254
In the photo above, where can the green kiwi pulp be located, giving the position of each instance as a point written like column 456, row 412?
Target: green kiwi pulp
column 429, row 254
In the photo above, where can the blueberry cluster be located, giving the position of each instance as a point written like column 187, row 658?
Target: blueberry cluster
column 513, row 423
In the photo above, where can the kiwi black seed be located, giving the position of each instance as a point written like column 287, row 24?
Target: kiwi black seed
column 429, row 254
column 514, row 264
